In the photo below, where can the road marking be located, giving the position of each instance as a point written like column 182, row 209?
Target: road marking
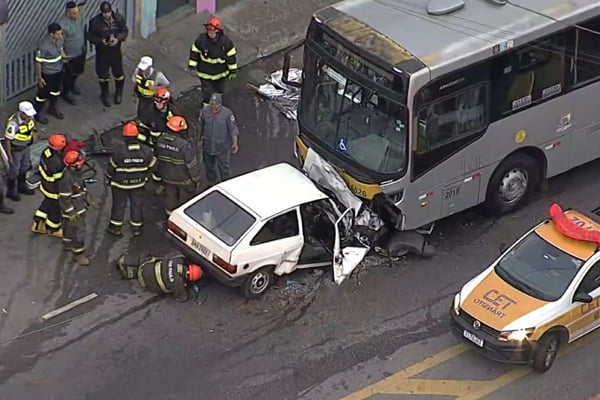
column 69, row 306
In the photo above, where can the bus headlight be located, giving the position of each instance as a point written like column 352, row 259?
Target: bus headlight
column 456, row 304
column 516, row 336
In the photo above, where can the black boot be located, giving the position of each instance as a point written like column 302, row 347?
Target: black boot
column 54, row 111
column 40, row 117
column 74, row 87
column 119, row 90
column 67, row 96
column 22, row 185
column 104, row 93
column 4, row 209
column 11, row 190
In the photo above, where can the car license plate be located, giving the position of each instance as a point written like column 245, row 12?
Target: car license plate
column 200, row 247
column 473, row 338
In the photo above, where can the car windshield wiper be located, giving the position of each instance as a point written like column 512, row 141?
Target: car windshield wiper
column 511, row 280
column 533, row 291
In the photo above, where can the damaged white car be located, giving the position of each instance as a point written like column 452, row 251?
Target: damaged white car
column 268, row 222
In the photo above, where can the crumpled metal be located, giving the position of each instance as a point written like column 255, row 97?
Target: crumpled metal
column 284, row 97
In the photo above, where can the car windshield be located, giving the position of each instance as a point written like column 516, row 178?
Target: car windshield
column 220, row 216
column 353, row 120
column 538, row 268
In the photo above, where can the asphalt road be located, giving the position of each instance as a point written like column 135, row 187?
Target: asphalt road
column 306, row 339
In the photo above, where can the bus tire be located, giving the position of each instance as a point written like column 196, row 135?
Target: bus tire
column 511, row 184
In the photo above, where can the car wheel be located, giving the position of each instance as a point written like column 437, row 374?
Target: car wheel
column 546, row 352
column 257, row 283
column 511, row 184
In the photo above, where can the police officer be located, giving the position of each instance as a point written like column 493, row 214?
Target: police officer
column 166, row 275
column 178, row 166
column 219, row 139
column 72, row 198
column 4, row 166
column 47, row 218
column 19, row 135
column 107, row 31
column 213, row 57
column 75, row 50
column 147, row 81
column 48, row 69
column 127, row 173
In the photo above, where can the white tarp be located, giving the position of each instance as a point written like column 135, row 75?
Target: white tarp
column 283, row 96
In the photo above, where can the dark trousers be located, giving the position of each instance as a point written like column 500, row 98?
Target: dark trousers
column 217, row 166
column 209, row 87
column 136, row 207
column 109, row 61
column 74, row 235
column 21, row 162
column 176, row 195
column 49, row 211
column 72, row 70
column 50, row 91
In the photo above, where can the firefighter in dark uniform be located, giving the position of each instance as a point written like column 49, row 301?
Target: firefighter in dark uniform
column 213, row 57
column 152, row 122
column 147, row 80
column 127, row 173
column 72, row 198
column 48, row 69
column 178, row 166
column 19, row 135
column 107, row 31
column 166, row 275
column 47, row 218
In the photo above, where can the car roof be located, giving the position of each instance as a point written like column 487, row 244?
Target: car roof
column 577, row 248
column 272, row 190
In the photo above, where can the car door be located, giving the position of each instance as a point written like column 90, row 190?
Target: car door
column 587, row 315
column 347, row 259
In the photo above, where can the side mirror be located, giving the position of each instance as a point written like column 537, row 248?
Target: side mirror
column 287, row 60
column 502, row 248
column 582, row 297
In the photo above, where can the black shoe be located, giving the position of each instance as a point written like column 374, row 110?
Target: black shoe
column 104, row 94
column 41, row 118
column 105, row 101
column 14, row 195
column 25, row 190
column 55, row 112
column 118, row 98
column 69, row 99
column 6, row 210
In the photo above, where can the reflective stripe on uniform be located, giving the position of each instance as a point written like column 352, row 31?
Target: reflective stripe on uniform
column 50, row 178
column 209, row 60
column 136, row 224
column 48, row 194
column 143, row 85
column 171, row 160
column 131, row 169
column 116, row 223
column 213, row 77
column 40, row 214
column 193, row 63
column 25, row 133
column 158, row 277
column 48, row 60
column 232, row 67
column 51, row 224
column 231, row 52
column 128, row 187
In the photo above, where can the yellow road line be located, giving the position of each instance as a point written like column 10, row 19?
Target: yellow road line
column 487, row 387
column 438, row 387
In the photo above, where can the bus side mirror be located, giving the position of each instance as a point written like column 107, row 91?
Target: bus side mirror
column 287, row 60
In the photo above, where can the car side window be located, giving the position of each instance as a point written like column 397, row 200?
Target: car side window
column 280, row 227
column 591, row 281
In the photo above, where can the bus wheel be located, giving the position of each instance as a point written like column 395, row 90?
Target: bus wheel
column 511, row 184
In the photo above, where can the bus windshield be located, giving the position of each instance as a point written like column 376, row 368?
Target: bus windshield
column 351, row 119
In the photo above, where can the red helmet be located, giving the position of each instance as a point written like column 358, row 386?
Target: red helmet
column 194, row 272
column 57, row 142
column 73, row 158
column 177, row 123
column 215, row 23
column 130, row 129
column 162, row 95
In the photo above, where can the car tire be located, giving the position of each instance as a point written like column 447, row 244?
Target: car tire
column 511, row 184
column 257, row 283
column 545, row 352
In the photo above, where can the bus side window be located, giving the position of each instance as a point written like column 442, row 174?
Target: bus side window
column 588, row 53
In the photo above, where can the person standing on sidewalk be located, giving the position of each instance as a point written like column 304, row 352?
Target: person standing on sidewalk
column 147, row 81
column 72, row 198
column 4, row 167
column 74, row 46
column 178, row 166
column 48, row 69
column 213, row 57
column 219, row 139
column 107, row 31
column 127, row 173
column 47, row 217
column 19, row 136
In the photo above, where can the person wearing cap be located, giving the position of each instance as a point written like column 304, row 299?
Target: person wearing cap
column 170, row 274
column 147, row 81
column 219, row 139
column 178, row 166
column 213, row 57
column 48, row 69
column 75, row 49
column 127, row 174
column 18, row 137
column 107, row 31
column 72, row 198
column 4, row 167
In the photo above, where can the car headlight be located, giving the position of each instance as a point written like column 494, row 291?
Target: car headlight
column 456, row 304
column 516, row 335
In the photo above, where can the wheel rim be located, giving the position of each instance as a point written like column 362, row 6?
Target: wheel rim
column 551, row 352
column 259, row 282
column 513, row 186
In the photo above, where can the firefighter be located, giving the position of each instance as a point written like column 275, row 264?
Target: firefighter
column 166, row 275
column 72, row 198
column 178, row 165
column 48, row 69
column 107, row 31
column 4, row 167
column 127, row 173
column 19, row 135
column 147, row 81
column 47, row 217
column 219, row 139
column 213, row 57
column 153, row 120
column 75, row 50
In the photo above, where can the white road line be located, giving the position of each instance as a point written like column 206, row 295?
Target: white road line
column 69, row 306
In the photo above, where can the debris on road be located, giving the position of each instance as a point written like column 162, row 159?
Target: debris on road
column 69, row 306
column 283, row 96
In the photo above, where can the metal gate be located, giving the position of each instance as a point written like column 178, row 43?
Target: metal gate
column 27, row 25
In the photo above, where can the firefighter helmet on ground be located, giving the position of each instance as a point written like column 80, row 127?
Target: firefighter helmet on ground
column 177, row 123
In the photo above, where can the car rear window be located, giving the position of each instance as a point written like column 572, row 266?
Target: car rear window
column 221, row 216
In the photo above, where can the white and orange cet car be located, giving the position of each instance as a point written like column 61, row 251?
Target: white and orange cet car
column 541, row 293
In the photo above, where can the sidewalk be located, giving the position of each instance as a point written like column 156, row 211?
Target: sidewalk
column 257, row 27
